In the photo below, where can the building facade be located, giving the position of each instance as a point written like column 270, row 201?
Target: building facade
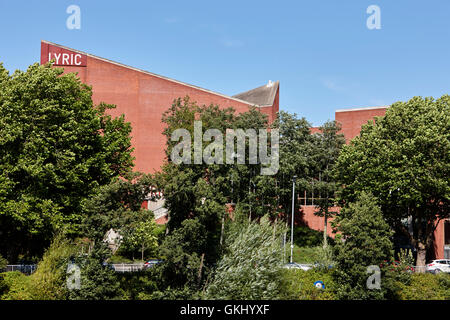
column 351, row 121
column 143, row 97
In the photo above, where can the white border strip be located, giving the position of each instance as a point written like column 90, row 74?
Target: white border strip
column 362, row 109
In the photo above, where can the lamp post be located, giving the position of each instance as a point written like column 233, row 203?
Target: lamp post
column 292, row 216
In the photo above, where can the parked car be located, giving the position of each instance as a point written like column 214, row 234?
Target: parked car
column 108, row 265
column 295, row 265
column 437, row 266
column 323, row 266
column 151, row 263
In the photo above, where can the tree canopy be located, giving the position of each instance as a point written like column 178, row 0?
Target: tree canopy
column 56, row 149
column 403, row 159
column 366, row 242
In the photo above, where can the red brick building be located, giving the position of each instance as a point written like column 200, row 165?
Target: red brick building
column 351, row 121
column 143, row 97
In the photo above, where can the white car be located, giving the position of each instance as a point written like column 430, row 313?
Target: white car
column 441, row 265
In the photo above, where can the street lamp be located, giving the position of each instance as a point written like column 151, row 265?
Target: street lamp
column 292, row 216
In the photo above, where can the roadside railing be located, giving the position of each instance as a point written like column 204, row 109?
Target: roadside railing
column 24, row 268
column 125, row 267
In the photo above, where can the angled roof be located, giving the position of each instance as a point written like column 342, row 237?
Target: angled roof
column 261, row 96
column 251, row 103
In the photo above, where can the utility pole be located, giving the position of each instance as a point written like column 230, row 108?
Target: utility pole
column 292, row 216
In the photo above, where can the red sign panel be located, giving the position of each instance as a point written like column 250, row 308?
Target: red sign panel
column 61, row 56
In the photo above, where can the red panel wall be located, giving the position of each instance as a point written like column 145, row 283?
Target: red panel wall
column 143, row 98
column 307, row 217
column 352, row 120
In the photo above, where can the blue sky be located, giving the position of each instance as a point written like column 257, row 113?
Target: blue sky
column 321, row 51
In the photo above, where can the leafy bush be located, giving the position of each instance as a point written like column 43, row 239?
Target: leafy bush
column 13, row 286
column 311, row 255
column 181, row 254
column 250, row 268
column 48, row 281
column 306, row 237
column 98, row 281
column 137, row 285
column 366, row 243
column 426, row 286
column 3, row 263
column 299, row 284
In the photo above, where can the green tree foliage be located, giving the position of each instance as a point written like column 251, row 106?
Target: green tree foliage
column 228, row 183
column 137, row 285
column 250, row 268
column 306, row 237
column 48, row 281
column 426, row 287
column 14, row 285
column 403, row 159
column 56, row 148
column 117, row 205
column 327, row 146
column 98, row 280
column 183, row 270
column 299, row 284
column 296, row 146
column 366, row 242
column 142, row 236
column 196, row 194
column 3, row 263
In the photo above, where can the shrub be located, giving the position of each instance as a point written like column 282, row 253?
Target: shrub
column 13, row 286
column 98, row 281
column 48, row 281
column 299, row 284
column 137, row 285
column 366, row 242
column 250, row 268
column 426, row 286
column 3, row 263
column 306, row 237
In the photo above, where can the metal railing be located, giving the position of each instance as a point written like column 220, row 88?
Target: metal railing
column 125, row 267
column 24, row 268
column 30, row 268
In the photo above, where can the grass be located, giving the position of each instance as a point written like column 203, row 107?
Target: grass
column 303, row 254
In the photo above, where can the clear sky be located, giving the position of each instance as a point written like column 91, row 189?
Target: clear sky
column 321, row 50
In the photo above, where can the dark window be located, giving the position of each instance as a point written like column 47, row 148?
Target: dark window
column 447, row 232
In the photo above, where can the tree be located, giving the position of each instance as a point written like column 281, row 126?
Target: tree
column 203, row 190
column 143, row 236
column 183, row 271
column 251, row 266
column 98, row 281
column 366, row 242
column 117, row 205
column 296, row 145
column 56, row 148
column 326, row 148
column 48, row 281
column 197, row 195
column 403, row 159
